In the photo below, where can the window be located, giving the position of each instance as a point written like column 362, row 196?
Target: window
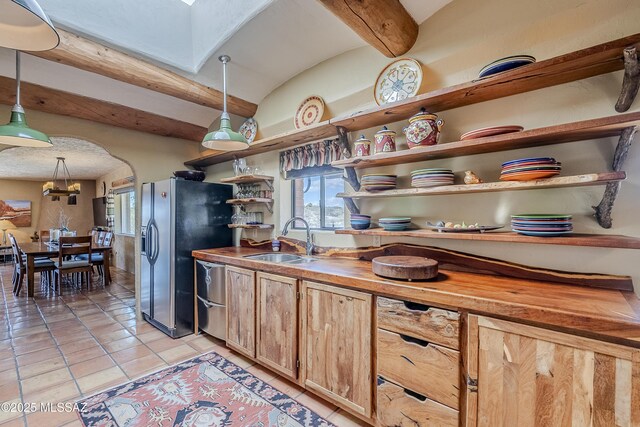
column 125, row 212
column 314, row 199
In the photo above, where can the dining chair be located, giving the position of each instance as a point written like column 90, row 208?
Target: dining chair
column 43, row 266
column 45, row 234
column 67, row 263
column 98, row 259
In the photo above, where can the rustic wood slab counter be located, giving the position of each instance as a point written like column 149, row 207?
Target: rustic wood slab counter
column 605, row 314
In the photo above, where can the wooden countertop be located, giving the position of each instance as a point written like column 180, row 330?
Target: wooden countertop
column 598, row 313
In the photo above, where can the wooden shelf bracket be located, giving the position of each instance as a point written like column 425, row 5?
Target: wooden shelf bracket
column 351, row 176
column 603, row 210
column 631, row 81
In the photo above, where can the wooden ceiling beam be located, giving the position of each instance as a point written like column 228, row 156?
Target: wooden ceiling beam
column 384, row 24
column 55, row 101
column 90, row 56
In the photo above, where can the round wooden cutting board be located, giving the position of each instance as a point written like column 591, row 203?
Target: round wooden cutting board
column 405, row 267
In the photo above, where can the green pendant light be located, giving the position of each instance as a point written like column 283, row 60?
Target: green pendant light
column 16, row 132
column 225, row 139
column 25, row 26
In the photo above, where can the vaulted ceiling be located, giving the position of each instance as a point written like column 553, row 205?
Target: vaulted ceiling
column 269, row 41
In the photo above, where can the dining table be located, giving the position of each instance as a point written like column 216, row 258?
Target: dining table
column 33, row 250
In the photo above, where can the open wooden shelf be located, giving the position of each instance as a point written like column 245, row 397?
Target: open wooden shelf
column 252, row 226
column 557, row 182
column 249, row 201
column 322, row 130
column 247, row 179
column 581, row 64
column 595, row 240
column 558, row 134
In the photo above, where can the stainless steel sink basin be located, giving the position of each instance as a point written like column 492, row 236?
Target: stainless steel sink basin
column 281, row 258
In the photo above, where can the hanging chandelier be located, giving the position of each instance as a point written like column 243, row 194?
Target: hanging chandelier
column 225, row 139
column 61, row 183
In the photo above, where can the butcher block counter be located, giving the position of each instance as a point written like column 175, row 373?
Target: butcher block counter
column 604, row 314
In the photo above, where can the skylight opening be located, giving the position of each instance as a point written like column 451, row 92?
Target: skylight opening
column 189, row 2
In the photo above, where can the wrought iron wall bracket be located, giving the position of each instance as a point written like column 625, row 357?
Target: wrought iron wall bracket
column 631, row 81
column 603, row 210
column 351, row 175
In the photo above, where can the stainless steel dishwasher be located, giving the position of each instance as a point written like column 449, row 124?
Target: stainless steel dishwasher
column 212, row 311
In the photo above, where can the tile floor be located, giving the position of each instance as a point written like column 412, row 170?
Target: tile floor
column 58, row 349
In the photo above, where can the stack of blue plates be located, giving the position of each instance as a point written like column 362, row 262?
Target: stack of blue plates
column 433, row 177
column 546, row 225
column 395, row 223
column 505, row 64
column 360, row 221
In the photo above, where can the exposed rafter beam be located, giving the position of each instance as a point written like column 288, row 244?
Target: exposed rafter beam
column 384, row 24
column 54, row 101
column 88, row 55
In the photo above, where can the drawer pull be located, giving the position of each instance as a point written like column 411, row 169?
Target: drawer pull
column 407, row 338
column 416, row 306
column 413, row 394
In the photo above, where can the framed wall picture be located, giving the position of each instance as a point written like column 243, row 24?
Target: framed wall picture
column 16, row 211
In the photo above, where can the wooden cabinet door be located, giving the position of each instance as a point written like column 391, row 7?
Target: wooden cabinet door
column 336, row 341
column 241, row 310
column 277, row 323
column 528, row 376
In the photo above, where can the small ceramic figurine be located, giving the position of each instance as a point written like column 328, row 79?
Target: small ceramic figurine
column 424, row 129
column 362, row 146
column 385, row 140
column 471, row 178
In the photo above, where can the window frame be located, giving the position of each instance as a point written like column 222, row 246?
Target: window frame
column 323, row 178
column 118, row 212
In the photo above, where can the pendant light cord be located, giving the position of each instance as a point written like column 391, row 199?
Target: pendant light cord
column 17, row 77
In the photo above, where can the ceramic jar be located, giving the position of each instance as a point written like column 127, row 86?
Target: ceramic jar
column 385, row 140
column 362, row 146
column 424, row 129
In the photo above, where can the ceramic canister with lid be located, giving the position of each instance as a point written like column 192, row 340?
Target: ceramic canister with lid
column 385, row 140
column 424, row 129
column 362, row 146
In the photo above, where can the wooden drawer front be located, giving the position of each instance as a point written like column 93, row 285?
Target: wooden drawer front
column 420, row 321
column 403, row 408
column 422, row 367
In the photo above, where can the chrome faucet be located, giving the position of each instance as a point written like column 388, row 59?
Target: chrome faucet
column 285, row 230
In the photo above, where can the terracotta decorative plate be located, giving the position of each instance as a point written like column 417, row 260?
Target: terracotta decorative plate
column 398, row 81
column 249, row 129
column 309, row 112
column 495, row 130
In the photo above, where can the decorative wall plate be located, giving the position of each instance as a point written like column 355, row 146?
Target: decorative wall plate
column 490, row 131
column 249, row 129
column 309, row 112
column 398, row 81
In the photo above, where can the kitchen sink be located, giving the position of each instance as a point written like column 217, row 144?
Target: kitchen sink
column 281, row 258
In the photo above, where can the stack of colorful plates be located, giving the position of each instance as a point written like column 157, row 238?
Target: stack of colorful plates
column 360, row 221
column 374, row 182
column 541, row 224
column 395, row 223
column 505, row 64
column 433, row 177
column 530, row 168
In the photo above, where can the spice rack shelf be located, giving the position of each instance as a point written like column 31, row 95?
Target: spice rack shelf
column 578, row 65
column 576, row 239
column 252, row 226
column 557, row 182
column 558, row 134
column 249, row 201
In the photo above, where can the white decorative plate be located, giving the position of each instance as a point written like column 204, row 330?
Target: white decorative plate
column 249, row 129
column 398, row 81
column 309, row 112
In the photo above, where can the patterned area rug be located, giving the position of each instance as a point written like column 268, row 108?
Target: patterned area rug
column 205, row 391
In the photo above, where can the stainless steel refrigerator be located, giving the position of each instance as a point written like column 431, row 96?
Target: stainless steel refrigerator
column 178, row 216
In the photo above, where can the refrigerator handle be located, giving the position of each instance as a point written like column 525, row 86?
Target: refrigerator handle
column 147, row 240
column 209, row 304
column 155, row 244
